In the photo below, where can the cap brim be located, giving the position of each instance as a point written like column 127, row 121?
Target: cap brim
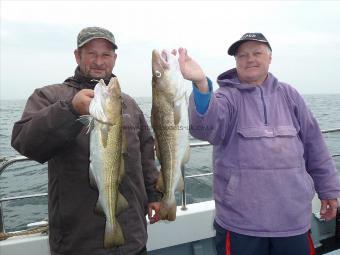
column 233, row 48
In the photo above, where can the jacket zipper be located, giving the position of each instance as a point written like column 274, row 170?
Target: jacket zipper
column 264, row 107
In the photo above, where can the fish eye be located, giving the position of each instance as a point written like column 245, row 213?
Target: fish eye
column 158, row 74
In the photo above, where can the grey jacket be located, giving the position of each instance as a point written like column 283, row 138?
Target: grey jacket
column 48, row 131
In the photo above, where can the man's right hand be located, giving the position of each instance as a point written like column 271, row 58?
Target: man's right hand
column 81, row 101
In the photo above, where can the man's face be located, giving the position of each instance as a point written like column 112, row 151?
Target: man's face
column 252, row 62
column 96, row 59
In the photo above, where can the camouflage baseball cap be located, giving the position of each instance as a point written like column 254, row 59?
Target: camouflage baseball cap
column 89, row 33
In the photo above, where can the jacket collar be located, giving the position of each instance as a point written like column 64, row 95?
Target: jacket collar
column 79, row 80
column 230, row 79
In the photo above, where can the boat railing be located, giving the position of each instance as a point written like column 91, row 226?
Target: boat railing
column 8, row 162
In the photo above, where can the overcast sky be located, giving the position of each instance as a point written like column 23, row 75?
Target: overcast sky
column 38, row 39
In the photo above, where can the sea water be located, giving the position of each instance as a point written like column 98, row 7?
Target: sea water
column 31, row 178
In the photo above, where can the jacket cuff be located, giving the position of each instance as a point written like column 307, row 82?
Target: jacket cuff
column 202, row 99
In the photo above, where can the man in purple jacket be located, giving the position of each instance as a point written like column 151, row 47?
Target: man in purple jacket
column 269, row 155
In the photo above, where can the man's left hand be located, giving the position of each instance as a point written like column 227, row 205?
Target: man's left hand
column 328, row 209
column 153, row 210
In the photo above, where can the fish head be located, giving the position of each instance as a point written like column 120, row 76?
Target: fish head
column 106, row 105
column 166, row 73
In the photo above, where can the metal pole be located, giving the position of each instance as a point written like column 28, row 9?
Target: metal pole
column 2, row 226
column 184, row 199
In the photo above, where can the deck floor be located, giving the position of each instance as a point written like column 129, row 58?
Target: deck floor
column 328, row 245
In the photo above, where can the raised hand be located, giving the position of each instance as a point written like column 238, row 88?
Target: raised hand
column 191, row 70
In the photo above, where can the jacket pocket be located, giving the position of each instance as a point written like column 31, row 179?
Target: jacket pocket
column 269, row 148
column 224, row 185
column 270, row 201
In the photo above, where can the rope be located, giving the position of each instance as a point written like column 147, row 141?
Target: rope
column 4, row 236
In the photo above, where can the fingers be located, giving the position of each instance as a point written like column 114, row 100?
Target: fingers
column 182, row 51
column 154, row 219
column 88, row 92
column 328, row 209
column 153, row 207
column 81, row 101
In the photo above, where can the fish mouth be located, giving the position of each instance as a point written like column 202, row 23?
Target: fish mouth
column 159, row 62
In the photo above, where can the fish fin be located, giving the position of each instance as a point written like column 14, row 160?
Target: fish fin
column 187, row 96
column 122, row 204
column 168, row 209
column 186, row 155
column 160, row 183
column 180, row 184
column 121, row 170
column 113, row 235
column 104, row 130
column 99, row 209
column 177, row 113
column 87, row 121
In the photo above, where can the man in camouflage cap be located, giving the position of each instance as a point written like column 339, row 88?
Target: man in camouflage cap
column 89, row 33
column 49, row 131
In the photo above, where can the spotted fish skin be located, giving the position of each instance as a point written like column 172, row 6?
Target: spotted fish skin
column 170, row 122
column 107, row 145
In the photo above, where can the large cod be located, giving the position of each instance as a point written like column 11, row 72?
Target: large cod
column 107, row 145
column 169, row 120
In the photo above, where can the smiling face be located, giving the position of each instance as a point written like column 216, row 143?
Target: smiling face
column 252, row 62
column 96, row 59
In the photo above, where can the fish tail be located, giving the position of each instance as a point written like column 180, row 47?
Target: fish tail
column 122, row 203
column 113, row 235
column 168, row 209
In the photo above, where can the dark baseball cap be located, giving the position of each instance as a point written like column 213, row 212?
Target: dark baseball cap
column 89, row 33
column 247, row 37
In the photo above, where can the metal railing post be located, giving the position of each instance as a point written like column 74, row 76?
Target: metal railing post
column 2, row 222
column 184, row 196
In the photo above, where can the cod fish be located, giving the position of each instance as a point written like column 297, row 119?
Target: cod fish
column 107, row 145
column 169, row 120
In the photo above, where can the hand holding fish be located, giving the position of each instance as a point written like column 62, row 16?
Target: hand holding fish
column 191, row 70
column 81, row 101
column 155, row 206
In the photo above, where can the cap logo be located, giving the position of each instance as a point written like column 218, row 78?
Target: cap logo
column 249, row 35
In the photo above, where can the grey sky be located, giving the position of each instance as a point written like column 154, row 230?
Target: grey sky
column 38, row 39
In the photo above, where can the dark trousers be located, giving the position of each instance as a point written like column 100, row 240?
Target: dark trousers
column 230, row 243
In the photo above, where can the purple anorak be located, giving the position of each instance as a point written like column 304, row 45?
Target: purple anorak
column 269, row 157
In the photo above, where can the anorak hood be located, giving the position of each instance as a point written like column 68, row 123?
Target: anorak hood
column 230, row 79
